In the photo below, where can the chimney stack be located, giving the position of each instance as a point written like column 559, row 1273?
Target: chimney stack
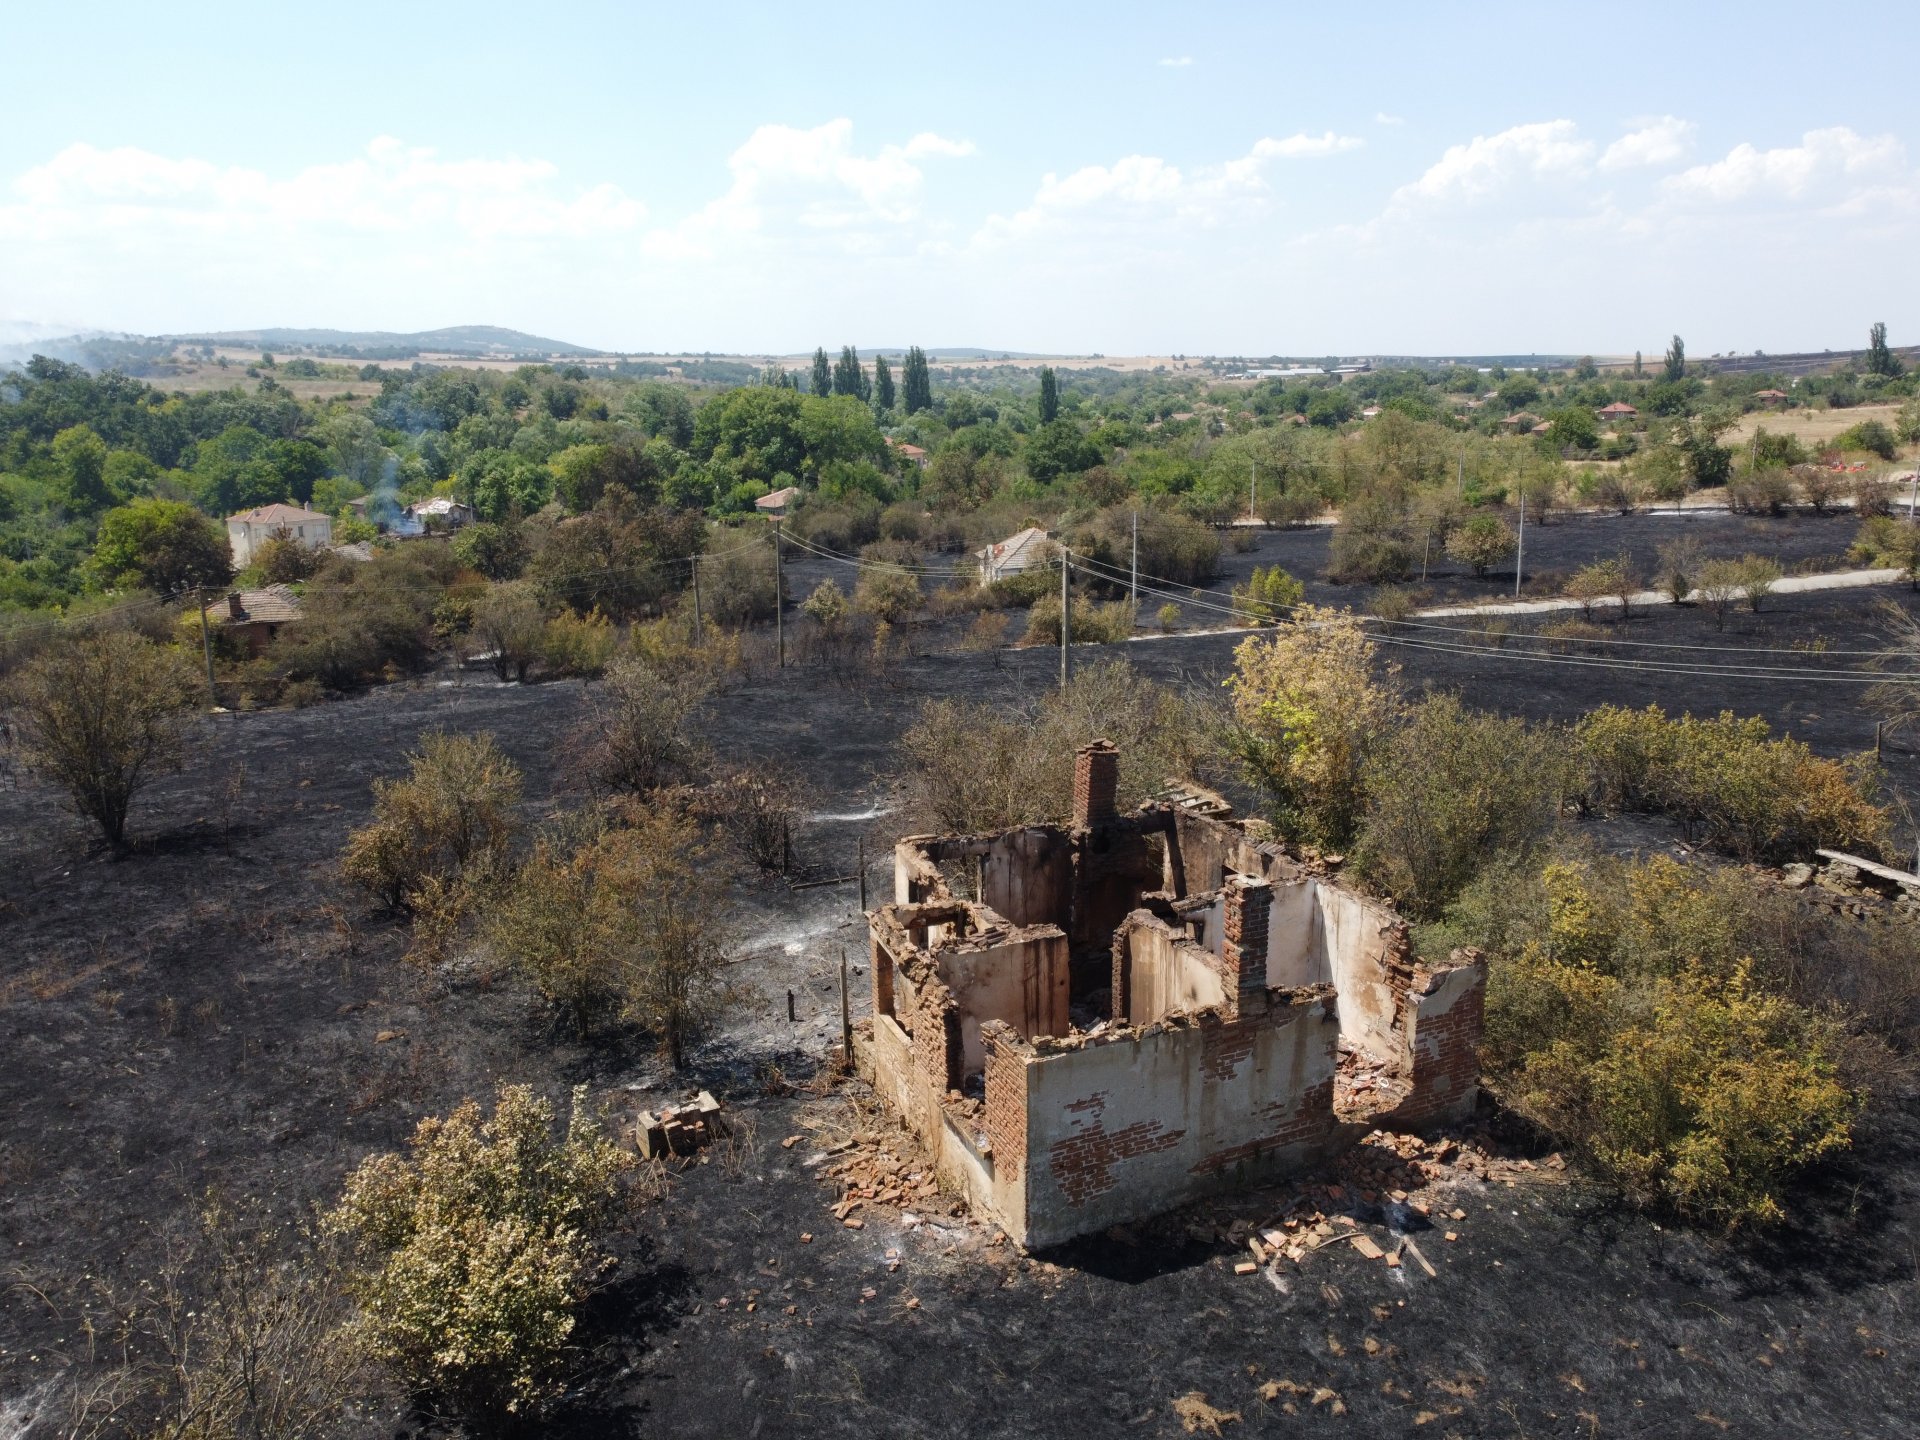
column 1096, row 779
column 1243, row 940
column 234, row 607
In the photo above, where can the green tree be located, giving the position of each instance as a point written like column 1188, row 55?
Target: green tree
column 82, row 458
column 1049, row 396
column 1270, row 594
column 849, row 378
column 1880, row 359
column 1676, row 366
column 1482, row 542
column 916, row 383
column 822, row 373
column 498, row 552
column 882, row 383
column 1059, row 449
column 162, row 546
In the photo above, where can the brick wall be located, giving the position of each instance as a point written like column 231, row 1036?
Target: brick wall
column 1096, row 781
column 1449, row 1020
column 936, row 1039
column 1243, row 944
column 1006, row 1112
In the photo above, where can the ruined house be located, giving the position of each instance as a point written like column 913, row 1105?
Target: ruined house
column 1089, row 1024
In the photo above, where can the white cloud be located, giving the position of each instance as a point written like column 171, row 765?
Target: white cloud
column 1177, row 62
column 1825, row 165
column 1657, row 142
column 1550, row 150
column 1381, row 117
column 787, row 180
column 389, row 187
column 1139, row 190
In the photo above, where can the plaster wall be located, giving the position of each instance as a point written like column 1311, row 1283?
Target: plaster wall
column 1022, row 981
column 1166, row 971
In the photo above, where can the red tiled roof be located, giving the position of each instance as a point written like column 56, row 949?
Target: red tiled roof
column 274, row 605
column 278, row 514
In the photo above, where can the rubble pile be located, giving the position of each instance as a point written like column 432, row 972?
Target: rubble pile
column 872, row 1175
column 679, row 1130
column 1849, row 885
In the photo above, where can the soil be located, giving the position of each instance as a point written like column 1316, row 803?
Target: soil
column 212, row 1010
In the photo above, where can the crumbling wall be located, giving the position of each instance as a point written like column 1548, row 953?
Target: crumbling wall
column 1157, row 970
column 1127, row 1125
column 1020, row 978
column 1447, row 1015
column 1370, row 964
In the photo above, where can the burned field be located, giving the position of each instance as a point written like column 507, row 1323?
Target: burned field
column 213, row 1011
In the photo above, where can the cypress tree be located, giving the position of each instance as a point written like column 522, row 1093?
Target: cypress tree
column 1049, row 396
column 1677, row 359
column 882, row 383
column 822, row 373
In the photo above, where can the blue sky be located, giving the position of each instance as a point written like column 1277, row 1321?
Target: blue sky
column 1116, row 178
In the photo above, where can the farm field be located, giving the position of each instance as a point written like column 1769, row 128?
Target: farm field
column 215, row 1012
column 1811, row 427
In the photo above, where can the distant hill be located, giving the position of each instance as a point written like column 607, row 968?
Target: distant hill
column 475, row 341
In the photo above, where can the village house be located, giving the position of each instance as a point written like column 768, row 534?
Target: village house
column 251, row 618
column 1090, row 1024
column 251, row 529
column 1618, row 413
column 1029, row 550
column 912, row 454
column 1771, row 397
column 779, row 503
column 440, row 513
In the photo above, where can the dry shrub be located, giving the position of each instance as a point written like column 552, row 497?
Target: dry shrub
column 574, row 644
column 478, row 1247
column 755, row 810
column 1093, row 623
column 450, row 818
column 635, row 737
column 100, row 714
column 965, row 767
column 1731, row 783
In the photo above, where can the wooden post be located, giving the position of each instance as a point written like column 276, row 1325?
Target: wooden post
column 1879, row 737
column 846, row 1018
column 863, row 874
column 696, row 600
column 206, row 649
column 779, row 594
column 790, row 1015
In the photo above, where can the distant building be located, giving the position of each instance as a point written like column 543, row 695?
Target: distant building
column 250, row 529
column 441, row 513
column 1771, row 397
column 912, row 454
column 776, row 505
column 254, row 616
column 1618, row 412
column 1029, row 550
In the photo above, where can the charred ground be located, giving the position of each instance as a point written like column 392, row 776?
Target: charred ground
column 212, row 1011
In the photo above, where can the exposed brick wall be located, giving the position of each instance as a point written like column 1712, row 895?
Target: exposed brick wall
column 1006, row 1112
column 1300, row 1120
column 1446, row 1051
column 1082, row 1165
column 880, row 965
column 1243, row 944
column 936, row 1039
column 1096, row 782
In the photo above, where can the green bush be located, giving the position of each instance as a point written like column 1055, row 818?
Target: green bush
column 1093, row 624
column 452, row 815
column 1270, row 595
column 1730, row 783
column 478, row 1249
column 1448, row 788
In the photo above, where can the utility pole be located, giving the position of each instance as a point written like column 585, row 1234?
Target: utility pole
column 1133, row 584
column 846, row 1018
column 1253, row 483
column 206, row 649
column 696, row 600
column 779, row 594
column 1066, row 622
column 1520, row 552
column 1460, row 474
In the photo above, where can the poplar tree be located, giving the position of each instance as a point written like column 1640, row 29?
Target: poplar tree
column 1049, row 396
column 822, row 373
column 1880, row 359
column 848, row 376
column 916, row 384
column 882, row 383
column 1677, row 359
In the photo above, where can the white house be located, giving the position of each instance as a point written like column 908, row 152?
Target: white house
column 1029, row 550
column 250, row 529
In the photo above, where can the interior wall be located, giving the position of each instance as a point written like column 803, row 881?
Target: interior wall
column 1027, row 876
column 1167, row 973
column 1023, row 982
column 1358, row 943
